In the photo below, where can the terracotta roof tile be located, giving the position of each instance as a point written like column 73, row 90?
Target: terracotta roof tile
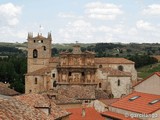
column 106, row 60
column 78, row 91
column 114, row 72
column 139, row 105
column 4, row 90
column 91, row 114
column 157, row 57
column 42, row 71
column 35, row 100
column 38, row 100
column 116, row 116
column 13, row 109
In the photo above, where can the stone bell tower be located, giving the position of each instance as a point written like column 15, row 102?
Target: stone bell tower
column 39, row 51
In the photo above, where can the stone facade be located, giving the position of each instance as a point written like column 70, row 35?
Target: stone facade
column 74, row 68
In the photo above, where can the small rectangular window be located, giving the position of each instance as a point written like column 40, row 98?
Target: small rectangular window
column 53, row 75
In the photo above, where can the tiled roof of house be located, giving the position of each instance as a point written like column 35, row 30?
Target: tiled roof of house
column 156, row 73
column 58, row 112
column 157, row 57
column 113, row 72
column 106, row 60
column 4, row 90
column 139, row 105
column 38, row 100
column 108, row 101
column 13, row 109
column 116, row 116
column 90, row 114
column 54, row 60
column 42, row 71
column 35, row 100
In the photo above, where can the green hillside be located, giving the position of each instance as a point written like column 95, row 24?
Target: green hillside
column 145, row 71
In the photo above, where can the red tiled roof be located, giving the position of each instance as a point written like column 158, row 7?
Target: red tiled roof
column 114, row 72
column 109, row 101
column 91, row 114
column 4, row 90
column 38, row 100
column 13, row 109
column 41, row 71
column 139, row 105
column 106, row 60
column 117, row 116
column 157, row 57
column 156, row 73
column 35, row 100
column 54, row 60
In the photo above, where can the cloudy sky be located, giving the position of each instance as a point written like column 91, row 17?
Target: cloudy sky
column 86, row 21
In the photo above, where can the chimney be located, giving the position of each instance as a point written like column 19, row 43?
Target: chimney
column 83, row 112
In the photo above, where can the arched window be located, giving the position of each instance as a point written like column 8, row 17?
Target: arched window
column 41, row 41
column 100, row 66
column 100, row 85
column 44, row 48
column 118, row 83
column 120, row 68
column 35, row 81
column 34, row 41
column 35, row 53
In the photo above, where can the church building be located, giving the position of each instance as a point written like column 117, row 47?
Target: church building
column 114, row 76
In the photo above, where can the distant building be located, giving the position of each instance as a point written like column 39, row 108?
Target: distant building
column 112, row 75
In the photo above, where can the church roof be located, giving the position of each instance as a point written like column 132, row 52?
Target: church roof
column 107, row 60
column 42, row 71
column 113, row 72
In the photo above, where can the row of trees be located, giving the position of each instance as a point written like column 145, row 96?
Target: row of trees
column 13, row 66
column 12, row 70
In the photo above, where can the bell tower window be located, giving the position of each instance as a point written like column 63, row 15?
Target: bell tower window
column 35, row 53
column 44, row 48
